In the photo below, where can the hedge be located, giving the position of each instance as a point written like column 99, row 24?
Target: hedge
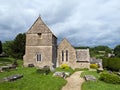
column 111, row 64
column 110, row 78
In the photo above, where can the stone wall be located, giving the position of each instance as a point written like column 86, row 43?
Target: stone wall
column 35, row 40
column 94, row 60
column 82, row 55
column 82, row 65
column 31, row 55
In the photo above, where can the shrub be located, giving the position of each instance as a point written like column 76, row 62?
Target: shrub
column 94, row 66
column 105, row 62
column 64, row 66
column 110, row 78
column 111, row 63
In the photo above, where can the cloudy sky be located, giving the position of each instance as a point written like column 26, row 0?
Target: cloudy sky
column 82, row 22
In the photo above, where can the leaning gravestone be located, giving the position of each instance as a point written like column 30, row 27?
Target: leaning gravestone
column 13, row 77
column 62, row 74
column 90, row 78
column 67, row 74
column 59, row 74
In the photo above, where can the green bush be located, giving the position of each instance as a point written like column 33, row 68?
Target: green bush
column 110, row 78
column 94, row 66
column 111, row 64
column 64, row 66
column 105, row 62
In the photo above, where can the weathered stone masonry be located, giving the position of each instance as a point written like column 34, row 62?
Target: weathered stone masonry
column 41, row 49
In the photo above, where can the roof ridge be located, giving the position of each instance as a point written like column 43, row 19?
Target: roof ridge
column 64, row 39
column 39, row 18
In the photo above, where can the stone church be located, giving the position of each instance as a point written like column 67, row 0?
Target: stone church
column 42, row 49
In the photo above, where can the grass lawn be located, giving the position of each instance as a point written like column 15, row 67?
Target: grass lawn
column 97, row 85
column 31, row 80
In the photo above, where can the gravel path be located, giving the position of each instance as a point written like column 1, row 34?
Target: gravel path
column 74, row 82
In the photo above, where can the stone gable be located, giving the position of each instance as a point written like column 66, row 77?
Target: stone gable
column 39, row 27
column 66, row 51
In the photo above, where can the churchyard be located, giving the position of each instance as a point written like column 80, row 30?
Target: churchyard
column 33, row 80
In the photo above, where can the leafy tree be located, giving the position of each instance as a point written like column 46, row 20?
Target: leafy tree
column 117, row 51
column 95, row 51
column 103, row 48
column 18, row 47
column 0, row 47
column 7, row 47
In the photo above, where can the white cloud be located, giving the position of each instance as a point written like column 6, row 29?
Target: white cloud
column 83, row 22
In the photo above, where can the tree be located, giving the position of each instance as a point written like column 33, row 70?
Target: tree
column 0, row 47
column 103, row 48
column 117, row 51
column 7, row 47
column 18, row 47
column 99, row 51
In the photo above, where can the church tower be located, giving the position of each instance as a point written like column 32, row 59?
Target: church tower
column 41, row 45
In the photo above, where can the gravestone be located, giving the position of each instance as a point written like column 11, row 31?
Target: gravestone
column 13, row 77
column 90, row 78
column 59, row 74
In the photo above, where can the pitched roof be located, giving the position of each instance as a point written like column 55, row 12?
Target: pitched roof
column 65, row 42
column 82, row 55
column 39, row 27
